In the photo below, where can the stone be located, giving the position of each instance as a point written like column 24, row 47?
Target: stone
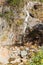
column 3, row 25
column 27, row 49
column 37, row 11
column 39, row 27
column 2, row 1
column 23, row 53
column 16, row 60
column 6, row 9
column 21, row 63
column 4, row 55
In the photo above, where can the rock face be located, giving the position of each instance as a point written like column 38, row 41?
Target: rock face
column 28, row 16
column 39, row 27
column 35, row 35
column 37, row 11
column 2, row 1
column 6, row 35
column 3, row 25
column 22, row 37
column 4, row 56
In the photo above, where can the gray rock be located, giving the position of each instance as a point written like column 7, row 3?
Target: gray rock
column 6, row 9
column 3, row 25
column 23, row 53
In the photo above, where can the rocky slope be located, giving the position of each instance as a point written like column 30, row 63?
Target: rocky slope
column 21, row 31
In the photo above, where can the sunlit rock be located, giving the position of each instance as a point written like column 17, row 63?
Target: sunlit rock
column 2, row 1
column 23, row 53
column 3, row 25
column 6, row 35
column 4, row 55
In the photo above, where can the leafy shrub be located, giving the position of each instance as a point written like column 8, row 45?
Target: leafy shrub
column 37, row 59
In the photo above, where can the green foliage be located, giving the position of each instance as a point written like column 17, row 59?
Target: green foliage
column 41, row 0
column 1, row 15
column 14, row 2
column 9, row 17
column 37, row 59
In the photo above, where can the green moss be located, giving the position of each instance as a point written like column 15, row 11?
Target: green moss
column 14, row 2
column 1, row 15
